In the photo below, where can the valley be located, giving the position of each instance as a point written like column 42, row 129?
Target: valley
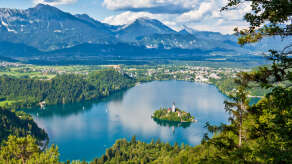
column 126, row 81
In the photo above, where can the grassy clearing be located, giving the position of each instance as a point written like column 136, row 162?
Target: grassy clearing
column 6, row 103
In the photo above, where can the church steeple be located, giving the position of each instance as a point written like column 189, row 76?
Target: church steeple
column 173, row 107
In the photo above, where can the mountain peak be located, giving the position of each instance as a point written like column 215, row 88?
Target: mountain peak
column 45, row 11
column 188, row 29
column 143, row 26
column 150, row 23
column 184, row 32
column 87, row 18
column 83, row 16
column 42, row 6
column 144, row 19
column 147, row 20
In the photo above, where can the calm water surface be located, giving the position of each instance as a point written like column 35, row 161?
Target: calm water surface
column 84, row 130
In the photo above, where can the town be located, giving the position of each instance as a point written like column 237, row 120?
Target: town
column 143, row 73
column 182, row 72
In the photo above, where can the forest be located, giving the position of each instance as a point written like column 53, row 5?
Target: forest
column 18, row 93
column 227, row 86
column 20, row 124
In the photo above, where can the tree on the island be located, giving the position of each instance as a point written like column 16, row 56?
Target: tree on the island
column 25, row 150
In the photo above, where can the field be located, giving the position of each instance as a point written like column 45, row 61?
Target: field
column 45, row 72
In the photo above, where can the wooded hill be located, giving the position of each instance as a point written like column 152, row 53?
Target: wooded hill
column 67, row 88
column 19, row 124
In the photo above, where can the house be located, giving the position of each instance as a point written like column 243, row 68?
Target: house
column 42, row 104
column 178, row 113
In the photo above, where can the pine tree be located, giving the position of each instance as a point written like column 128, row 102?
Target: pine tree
column 25, row 150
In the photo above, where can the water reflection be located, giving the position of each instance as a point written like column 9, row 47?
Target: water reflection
column 84, row 130
column 172, row 124
column 64, row 110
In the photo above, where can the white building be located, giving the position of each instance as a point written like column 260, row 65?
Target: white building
column 173, row 107
column 214, row 76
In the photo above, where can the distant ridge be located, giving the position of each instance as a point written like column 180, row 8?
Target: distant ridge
column 142, row 27
column 48, row 28
column 45, row 32
column 6, row 59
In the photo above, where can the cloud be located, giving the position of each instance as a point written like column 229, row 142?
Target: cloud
column 198, row 14
column 152, row 6
column 55, row 2
column 129, row 16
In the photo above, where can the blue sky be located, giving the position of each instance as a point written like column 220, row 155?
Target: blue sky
column 197, row 14
column 93, row 8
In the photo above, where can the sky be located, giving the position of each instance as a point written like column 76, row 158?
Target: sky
column 203, row 15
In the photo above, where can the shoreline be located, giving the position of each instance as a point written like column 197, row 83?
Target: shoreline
column 135, row 85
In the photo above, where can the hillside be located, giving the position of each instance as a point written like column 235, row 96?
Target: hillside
column 19, row 124
column 45, row 34
column 27, row 92
column 48, row 28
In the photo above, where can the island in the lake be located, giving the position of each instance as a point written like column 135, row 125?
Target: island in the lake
column 173, row 114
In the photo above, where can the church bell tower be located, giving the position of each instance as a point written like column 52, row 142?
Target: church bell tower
column 173, row 107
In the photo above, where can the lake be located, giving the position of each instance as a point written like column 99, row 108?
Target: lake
column 85, row 130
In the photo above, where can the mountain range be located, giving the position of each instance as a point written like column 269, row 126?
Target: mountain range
column 44, row 33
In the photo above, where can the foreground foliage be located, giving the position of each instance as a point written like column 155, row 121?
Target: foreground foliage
column 25, row 150
column 266, row 18
column 259, row 133
column 139, row 152
column 19, row 124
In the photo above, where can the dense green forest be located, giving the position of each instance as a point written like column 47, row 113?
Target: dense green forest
column 19, row 124
column 68, row 88
column 227, row 86
column 140, row 152
column 25, row 150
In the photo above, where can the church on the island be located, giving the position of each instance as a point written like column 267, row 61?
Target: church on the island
column 172, row 109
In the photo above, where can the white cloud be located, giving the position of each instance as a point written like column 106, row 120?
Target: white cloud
column 120, row 4
column 196, row 14
column 201, row 15
column 54, row 2
column 153, row 6
column 127, row 17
